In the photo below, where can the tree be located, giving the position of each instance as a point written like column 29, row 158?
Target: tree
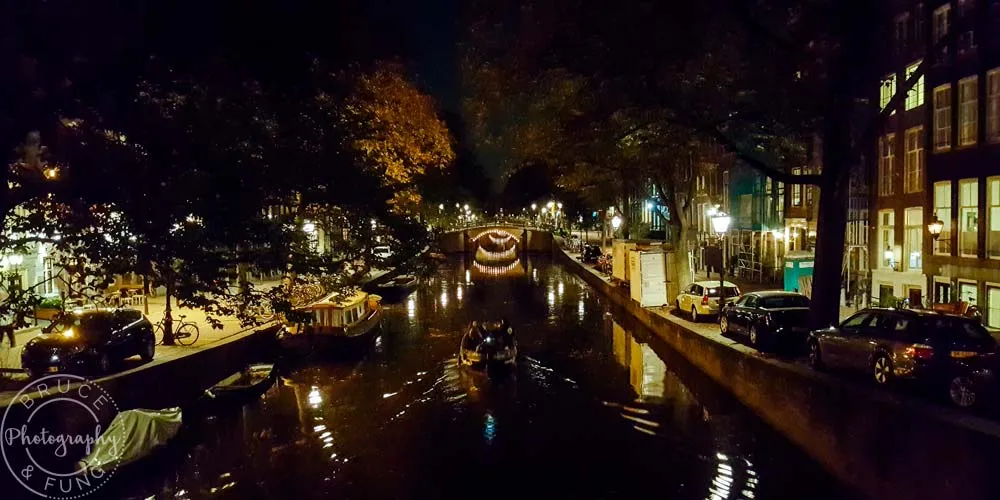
column 392, row 128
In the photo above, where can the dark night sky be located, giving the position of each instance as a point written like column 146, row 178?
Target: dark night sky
column 427, row 33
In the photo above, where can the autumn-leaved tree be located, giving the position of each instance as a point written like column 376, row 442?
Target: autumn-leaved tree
column 394, row 129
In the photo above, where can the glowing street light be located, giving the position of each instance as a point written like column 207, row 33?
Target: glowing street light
column 559, row 205
column 935, row 227
column 720, row 224
column 534, row 206
column 466, row 207
column 616, row 222
column 550, row 204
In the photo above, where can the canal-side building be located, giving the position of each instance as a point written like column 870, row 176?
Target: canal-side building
column 963, row 166
column 899, row 178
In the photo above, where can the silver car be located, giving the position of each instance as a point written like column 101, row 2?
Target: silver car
column 701, row 298
column 899, row 343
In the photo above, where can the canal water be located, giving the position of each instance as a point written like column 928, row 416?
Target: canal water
column 596, row 408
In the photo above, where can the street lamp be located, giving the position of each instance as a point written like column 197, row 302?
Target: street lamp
column 550, row 204
column 935, row 227
column 720, row 224
column 559, row 205
column 616, row 222
column 534, row 206
column 466, row 207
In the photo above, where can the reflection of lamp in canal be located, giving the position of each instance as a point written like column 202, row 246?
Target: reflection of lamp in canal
column 458, row 293
column 444, row 299
column 411, row 308
column 315, row 399
column 552, row 297
column 580, row 309
column 468, row 276
column 561, row 288
column 489, row 428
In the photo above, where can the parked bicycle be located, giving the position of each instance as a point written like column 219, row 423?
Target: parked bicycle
column 185, row 332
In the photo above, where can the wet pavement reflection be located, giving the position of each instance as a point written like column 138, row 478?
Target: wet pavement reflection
column 594, row 409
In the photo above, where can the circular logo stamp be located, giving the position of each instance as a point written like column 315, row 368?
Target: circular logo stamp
column 57, row 440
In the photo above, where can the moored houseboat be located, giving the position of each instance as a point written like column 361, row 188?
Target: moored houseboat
column 337, row 316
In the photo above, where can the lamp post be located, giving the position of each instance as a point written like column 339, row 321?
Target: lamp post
column 935, row 228
column 720, row 224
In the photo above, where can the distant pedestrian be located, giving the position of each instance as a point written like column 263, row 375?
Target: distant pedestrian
column 8, row 330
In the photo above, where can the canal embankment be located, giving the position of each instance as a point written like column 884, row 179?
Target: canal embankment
column 887, row 445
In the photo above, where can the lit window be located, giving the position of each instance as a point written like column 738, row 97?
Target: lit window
column 942, row 210
column 886, row 167
column 913, row 237
column 968, row 217
column 915, row 95
column 968, row 111
column 942, row 118
column 887, row 90
column 913, row 162
column 887, row 237
column 993, row 105
column 796, row 189
column 993, row 217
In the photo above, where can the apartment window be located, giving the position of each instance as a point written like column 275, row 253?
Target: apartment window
column 966, row 41
column 887, row 90
column 942, row 21
column 968, row 111
column 942, row 210
column 993, row 217
column 968, row 217
column 942, row 118
column 796, row 189
column 918, row 24
column 993, row 307
column 887, row 237
column 886, row 167
column 915, row 95
column 902, row 23
column 913, row 162
column 913, row 238
column 993, row 105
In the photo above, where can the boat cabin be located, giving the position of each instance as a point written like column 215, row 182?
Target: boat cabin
column 342, row 314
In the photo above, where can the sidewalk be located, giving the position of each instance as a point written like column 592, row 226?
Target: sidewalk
column 10, row 359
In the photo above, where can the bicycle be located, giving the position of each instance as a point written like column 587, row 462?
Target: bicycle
column 185, row 332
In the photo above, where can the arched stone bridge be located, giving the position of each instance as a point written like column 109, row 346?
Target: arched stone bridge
column 468, row 239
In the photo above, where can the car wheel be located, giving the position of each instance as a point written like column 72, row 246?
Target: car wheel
column 694, row 314
column 754, row 337
column 104, row 363
column 962, row 391
column 148, row 350
column 815, row 357
column 882, row 369
column 724, row 324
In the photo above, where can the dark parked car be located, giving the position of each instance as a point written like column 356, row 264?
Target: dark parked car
column 96, row 338
column 909, row 343
column 591, row 253
column 769, row 319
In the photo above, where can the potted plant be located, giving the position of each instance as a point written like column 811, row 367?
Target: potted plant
column 49, row 308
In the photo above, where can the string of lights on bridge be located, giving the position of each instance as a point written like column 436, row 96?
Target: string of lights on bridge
column 491, row 232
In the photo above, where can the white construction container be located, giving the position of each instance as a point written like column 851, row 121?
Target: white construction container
column 648, row 273
column 619, row 263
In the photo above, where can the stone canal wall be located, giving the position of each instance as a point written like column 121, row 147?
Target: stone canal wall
column 884, row 444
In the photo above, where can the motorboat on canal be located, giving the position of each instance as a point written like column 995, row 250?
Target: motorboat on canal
column 132, row 436
column 244, row 386
column 336, row 317
column 488, row 345
column 398, row 287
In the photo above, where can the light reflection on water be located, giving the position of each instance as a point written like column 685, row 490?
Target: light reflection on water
column 591, row 409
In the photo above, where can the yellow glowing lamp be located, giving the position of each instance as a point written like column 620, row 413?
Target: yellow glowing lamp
column 69, row 333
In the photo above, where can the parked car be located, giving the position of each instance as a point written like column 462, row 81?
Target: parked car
column 701, row 298
column 769, row 319
column 925, row 345
column 96, row 338
column 382, row 252
column 591, row 253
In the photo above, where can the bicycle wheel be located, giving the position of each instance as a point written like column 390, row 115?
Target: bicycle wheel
column 158, row 333
column 187, row 334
